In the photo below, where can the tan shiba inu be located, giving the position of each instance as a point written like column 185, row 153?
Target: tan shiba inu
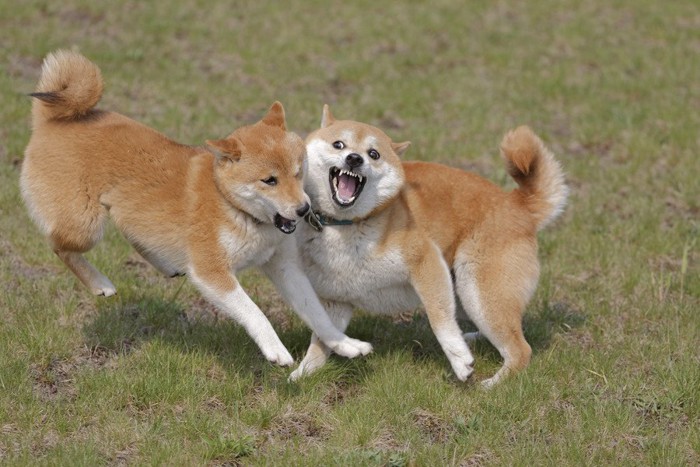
column 387, row 236
column 184, row 209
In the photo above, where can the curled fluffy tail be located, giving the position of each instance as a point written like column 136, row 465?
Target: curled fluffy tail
column 69, row 87
column 539, row 175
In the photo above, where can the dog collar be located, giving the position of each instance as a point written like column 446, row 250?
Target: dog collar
column 317, row 220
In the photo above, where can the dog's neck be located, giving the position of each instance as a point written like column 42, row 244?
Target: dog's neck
column 317, row 220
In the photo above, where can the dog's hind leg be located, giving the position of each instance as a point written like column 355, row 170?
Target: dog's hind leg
column 431, row 279
column 87, row 273
column 318, row 352
column 73, row 234
column 494, row 295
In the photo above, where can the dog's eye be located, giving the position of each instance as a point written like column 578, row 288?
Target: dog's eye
column 373, row 154
column 272, row 181
column 339, row 145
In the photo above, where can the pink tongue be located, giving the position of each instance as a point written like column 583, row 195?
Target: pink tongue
column 346, row 186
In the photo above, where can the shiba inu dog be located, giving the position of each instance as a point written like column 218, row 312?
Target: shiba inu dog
column 184, row 209
column 387, row 237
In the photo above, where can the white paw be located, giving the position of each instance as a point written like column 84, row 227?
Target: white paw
column 296, row 374
column 102, row 286
column 279, row 356
column 488, row 383
column 463, row 371
column 352, row 348
column 105, row 289
column 494, row 380
column 299, row 373
column 462, row 361
column 309, row 365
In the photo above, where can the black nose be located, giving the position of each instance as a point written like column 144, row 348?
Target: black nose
column 354, row 160
column 303, row 210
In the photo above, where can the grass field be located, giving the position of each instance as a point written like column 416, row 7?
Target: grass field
column 156, row 376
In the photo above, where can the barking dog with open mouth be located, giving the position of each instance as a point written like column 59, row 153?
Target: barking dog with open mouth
column 387, row 236
column 184, row 209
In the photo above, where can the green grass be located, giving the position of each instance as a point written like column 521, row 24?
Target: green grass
column 156, row 376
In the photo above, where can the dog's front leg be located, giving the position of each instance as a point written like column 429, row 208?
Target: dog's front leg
column 223, row 290
column 430, row 277
column 318, row 352
column 285, row 272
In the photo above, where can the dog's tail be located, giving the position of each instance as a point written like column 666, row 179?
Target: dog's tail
column 542, row 187
column 69, row 87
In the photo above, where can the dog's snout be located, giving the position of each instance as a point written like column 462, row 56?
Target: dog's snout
column 303, row 209
column 354, row 160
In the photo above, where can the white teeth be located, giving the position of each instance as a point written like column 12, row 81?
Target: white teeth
column 351, row 174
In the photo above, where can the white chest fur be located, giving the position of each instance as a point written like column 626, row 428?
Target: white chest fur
column 346, row 263
column 252, row 246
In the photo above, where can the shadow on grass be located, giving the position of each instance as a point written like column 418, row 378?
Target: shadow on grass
column 541, row 324
column 549, row 320
column 123, row 325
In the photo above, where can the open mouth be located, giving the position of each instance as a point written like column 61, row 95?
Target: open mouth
column 346, row 186
column 285, row 225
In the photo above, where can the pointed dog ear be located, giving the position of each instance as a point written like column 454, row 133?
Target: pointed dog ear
column 275, row 116
column 327, row 117
column 227, row 148
column 400, row 148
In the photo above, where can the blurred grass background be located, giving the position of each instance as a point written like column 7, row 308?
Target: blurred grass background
column 155, row 376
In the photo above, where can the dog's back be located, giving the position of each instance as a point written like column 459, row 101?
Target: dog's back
column 451, row 204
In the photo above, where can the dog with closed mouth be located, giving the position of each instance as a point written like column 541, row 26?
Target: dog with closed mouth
column 186, row 210
column 388, row 236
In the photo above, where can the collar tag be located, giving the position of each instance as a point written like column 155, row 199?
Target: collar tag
column 319, row 220
column 313, row 220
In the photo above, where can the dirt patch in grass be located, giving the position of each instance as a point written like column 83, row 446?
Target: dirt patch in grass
column 601, row 149
column 124, row 456
column 24, row 68
column 386, row 441
column 84, row 311
column 434, row 428
column 339, row 392
column 483, row 457
column 297, row 425
column 201, row 311
column 678, row 209
column 56, row 379
column 20, row 270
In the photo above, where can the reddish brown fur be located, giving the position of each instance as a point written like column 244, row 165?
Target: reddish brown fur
column 82, row 164
column 185, row 209
column 447, row 221
column 478, row 226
